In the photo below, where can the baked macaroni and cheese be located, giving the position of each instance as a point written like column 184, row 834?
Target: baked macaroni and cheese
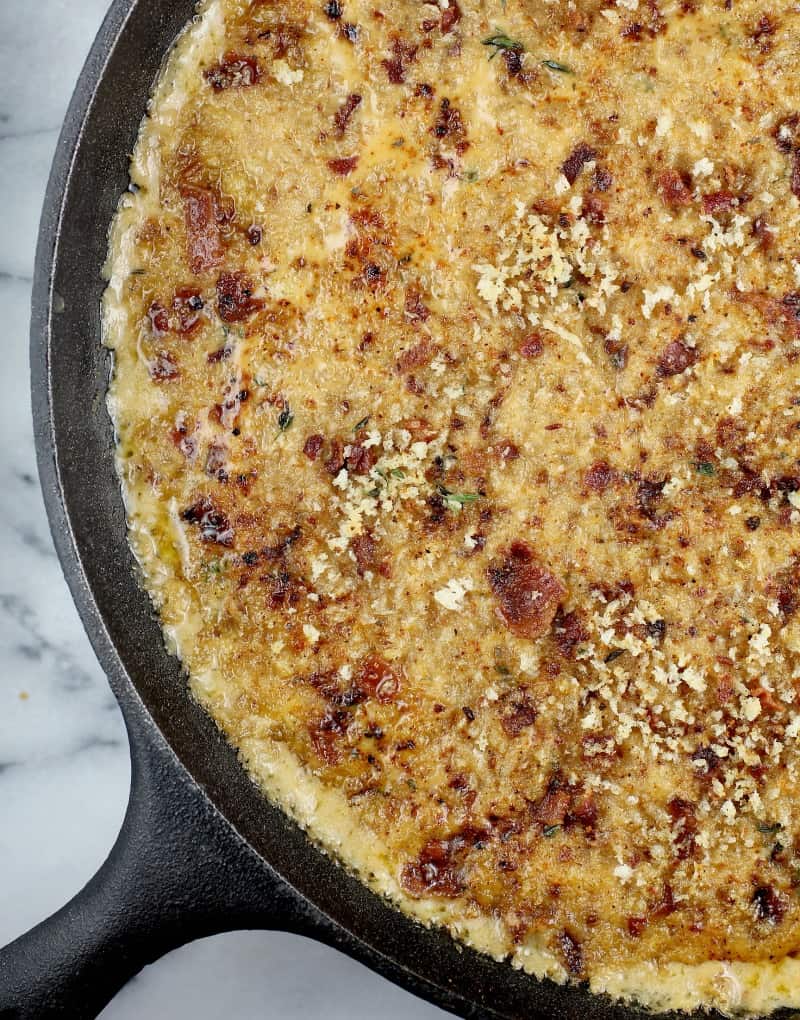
column 457, row 394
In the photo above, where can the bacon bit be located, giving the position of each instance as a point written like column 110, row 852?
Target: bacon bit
column 415, row 309
column 417, row 356
column 572, row 951
column 361, row 459
column 554, row 427
column 507, row 451
column 787, row 138
column 378, row 679
column 600, row 477
column 760, row 35
column 335, row 461
column 568, row 632
column 343, row 166
column 709, row 759
column 235, row 301
column 433, row 873
column 666, row 905
column 450, row 123
column 722, row 202
column 451, row 15
column 636, row 925
column 528, row 594
column 333, row 10
column 342, row 116
column 576, row 161
column 254, row 235
column 187, row 305
column 512, row 57
column 214, row 525
column 204, row 242
column 682, row 813
column 768, row 905
column 365, row 549
column 762, row 231
column 552, row 807
column 159, row 320
column 163, row 367
column 233, row 72
column 593, row 210
column 420, row 429
column 532, row 346
column 348, row 31
column 676, row 358
column 602, row 179
column 216, row 460
column 403, row 54
column 675, row 188
column 522, row 715
column 313, row 445
column 325, row 735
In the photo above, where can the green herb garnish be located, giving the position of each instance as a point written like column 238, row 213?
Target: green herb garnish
column 500, row 41
column 459, row 498
column 769, row 828
column 285, row 419
column 705, row 467
column 553, row 65
column 614, row 654
column 397, row 473
column 550, row 830
column 359, row 425
column 470, row 176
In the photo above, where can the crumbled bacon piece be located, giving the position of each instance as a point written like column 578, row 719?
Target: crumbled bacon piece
column 343, row 166
column 520, row 715
column 417, row 356
column 204, row 241
column 233, row 72
column 682, row 813
column 768, row 905
column 326, row 734
column 341, row 118
column 187, row 306
column 576, row 161
column 213, row 523
column 415, row 309
column 159, row 320
column 600, row 477
column 532, row 346
column 675, row 188
column 568, row 632
column 433, row 873
column 163, row 367
column 216, row 461
column 378, row 679
column 313, row 445
column 451, row 15
column 720, row 202
column 528, row 594
column 676, row 358
column 572, row 952
column 361, row 459
column 403, row 54
column 449, row 123
column 235, row 301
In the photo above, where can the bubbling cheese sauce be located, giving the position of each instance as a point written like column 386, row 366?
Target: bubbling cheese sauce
column 458, row 410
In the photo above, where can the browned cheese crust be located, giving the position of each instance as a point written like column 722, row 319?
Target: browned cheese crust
column 458, row 400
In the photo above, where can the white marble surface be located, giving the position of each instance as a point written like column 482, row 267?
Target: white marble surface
column 63, row 754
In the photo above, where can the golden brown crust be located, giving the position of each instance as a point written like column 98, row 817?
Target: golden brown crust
column 457, row 394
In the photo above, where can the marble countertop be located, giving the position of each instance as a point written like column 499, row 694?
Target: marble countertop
column 64, row 766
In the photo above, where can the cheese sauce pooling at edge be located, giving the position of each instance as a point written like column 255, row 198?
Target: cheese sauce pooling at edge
column 458, row 408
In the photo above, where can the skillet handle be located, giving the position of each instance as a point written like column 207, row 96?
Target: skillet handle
column 177, row 872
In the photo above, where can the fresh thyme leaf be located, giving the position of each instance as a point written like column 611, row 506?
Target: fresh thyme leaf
column 705, row 467
column 550, row 830
column 614, row 654
column 769, row 828
column 397, row 473
column 359, row 425
column 554, row 65
column 500, row 41
column 138, row 272
column 259, row 382
column 458, row 497
column 285, row 419
column 470, row 176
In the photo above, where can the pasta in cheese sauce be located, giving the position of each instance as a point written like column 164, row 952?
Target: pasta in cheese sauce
column 457, row 398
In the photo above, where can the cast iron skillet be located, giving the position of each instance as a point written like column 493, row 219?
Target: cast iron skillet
column 200, row 850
